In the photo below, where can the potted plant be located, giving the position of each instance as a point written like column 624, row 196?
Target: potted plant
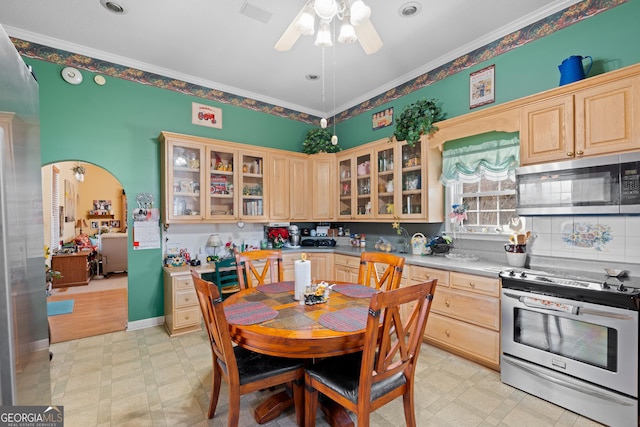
column 418, row 119
column 319, row 140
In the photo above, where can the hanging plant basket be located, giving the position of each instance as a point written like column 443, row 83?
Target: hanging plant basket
column 318, row 140
column 418, row 119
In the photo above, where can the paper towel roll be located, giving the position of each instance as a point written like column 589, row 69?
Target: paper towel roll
column 303, row 278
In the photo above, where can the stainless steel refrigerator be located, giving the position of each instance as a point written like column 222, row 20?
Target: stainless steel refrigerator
column 24, row 334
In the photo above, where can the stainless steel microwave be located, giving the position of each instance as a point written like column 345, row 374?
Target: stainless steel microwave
column 597, row 185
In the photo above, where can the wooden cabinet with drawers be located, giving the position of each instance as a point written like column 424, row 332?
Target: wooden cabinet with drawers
column 346, row 268
column 465, row 318
column 74, row 269
column 181, row 308
column 321, row 265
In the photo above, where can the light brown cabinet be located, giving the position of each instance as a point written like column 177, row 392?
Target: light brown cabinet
column 279, row 202
column 74, row 269
column 355, row 193
column 321, row 265
column 346, row 268
column 299, row 188
column 181, row 308
column 323, row 171
column 598, row 120
column 465, row 318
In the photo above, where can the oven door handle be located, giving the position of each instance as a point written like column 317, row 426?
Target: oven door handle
column 578, row 310
column 581, row 388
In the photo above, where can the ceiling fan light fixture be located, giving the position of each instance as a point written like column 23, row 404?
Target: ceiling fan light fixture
column 306, row 23
column 360, row 13
column 325, row 9
column 347, row 33
column 323, row 39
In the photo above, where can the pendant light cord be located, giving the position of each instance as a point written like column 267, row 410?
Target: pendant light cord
column 323, row 78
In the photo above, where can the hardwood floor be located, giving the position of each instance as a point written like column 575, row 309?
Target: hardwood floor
column 99, row 308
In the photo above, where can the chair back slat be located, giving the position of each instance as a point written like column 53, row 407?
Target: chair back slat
column 392, row 343
column 390, row 278
column 226, row 275
column 251, row 271
column 216, row 325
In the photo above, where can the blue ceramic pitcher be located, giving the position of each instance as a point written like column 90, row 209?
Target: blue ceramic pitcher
column 572, row 70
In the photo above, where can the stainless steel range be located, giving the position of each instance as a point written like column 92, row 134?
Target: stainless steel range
column 573, row 341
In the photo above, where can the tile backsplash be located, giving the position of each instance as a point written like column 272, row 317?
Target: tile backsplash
column 601, row 238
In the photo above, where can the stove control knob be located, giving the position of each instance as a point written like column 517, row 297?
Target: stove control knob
column 512, row 273
column 622, row 288
column 605, row 285
column 523, row 274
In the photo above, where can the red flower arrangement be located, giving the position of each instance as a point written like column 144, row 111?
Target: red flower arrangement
column 278, row 236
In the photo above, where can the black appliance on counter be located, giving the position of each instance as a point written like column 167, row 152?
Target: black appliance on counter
column 573, row 340
column 326, row 243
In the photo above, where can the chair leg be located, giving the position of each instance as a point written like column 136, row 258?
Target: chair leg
column 310, row 404
column 298, row 400
column 409, row 407
column 234, row 407
column 215, row 390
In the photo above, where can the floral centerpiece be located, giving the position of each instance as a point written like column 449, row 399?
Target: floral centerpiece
column 278, row 237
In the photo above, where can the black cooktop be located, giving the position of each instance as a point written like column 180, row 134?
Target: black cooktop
column 318, row 242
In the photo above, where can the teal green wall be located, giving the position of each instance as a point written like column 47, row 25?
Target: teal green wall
column 610, row 38
column 115, row 126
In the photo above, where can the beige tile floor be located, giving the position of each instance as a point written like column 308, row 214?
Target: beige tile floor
column 145, row 378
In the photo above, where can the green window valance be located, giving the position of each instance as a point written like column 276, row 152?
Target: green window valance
column 495, row 160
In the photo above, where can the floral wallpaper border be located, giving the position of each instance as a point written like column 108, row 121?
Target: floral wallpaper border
column 537, row 30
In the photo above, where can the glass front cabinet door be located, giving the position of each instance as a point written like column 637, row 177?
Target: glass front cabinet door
column 412, row 202
column 345, row 204
column 364, row 200
column 385, row 180
column 184, row 176
column 222, row 183
column 252, row 186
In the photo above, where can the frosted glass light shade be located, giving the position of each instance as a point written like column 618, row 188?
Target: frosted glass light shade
column 326, row 9
column 305, row 24
column 347, row 33
column 323, row 39
column 360, row 13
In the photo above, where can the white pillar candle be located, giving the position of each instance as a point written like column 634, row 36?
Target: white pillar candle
column 303, row 278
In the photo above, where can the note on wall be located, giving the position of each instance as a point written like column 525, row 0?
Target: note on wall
column 146, row 230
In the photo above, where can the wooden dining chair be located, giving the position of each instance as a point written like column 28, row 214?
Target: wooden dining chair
column 369, row 275
column 251, row 270
column 226, row 277
column 244, row 371
column 385, row 369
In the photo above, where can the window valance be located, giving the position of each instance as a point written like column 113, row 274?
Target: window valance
column 495, row 160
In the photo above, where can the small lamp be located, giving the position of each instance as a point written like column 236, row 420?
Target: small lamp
column 214, row 242
column 81, row 223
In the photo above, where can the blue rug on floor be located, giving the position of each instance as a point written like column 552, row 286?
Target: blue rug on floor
column 59, row 307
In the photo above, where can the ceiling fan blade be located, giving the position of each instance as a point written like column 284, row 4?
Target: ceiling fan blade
column 368, row 37
column 290, row 35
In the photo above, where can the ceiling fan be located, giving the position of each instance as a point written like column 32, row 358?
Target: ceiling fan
column 356, row 25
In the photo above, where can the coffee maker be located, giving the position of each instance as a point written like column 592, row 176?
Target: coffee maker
column 294, row 236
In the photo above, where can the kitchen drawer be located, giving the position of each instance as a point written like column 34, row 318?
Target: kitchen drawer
column 186, row 317
column 349, row 261
column 186, row 298
column 479, row 284
column 478, row 343
column 184, row 282
column 478, row 309
column 422, row 274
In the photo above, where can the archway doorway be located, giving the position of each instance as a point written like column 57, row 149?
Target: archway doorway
column 85, row 227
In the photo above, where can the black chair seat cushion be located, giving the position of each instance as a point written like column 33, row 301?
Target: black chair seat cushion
column 342, row 374
column 254, row 366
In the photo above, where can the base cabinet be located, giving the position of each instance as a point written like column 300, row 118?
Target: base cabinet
column 465, row 315
column 321, row 265
column 181, row 308
column 346, row 268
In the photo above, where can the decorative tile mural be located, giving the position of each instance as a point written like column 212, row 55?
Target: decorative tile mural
column 587, row 235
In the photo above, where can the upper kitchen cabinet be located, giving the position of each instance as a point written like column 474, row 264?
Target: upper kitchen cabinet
column 288, row 187
column 253, row 186
column 345, row 184
column 355, row 169
column 595, row 120
column 183, row 177
column 386, row 179
column 222, row 181
column 323, row 184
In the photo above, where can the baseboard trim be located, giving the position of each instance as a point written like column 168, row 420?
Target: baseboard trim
column 145, row 323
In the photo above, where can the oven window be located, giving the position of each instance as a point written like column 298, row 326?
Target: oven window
column 581, row 341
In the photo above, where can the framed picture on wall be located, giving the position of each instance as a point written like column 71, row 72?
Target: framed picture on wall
column 94, row 225
column 482, row 87
column 382, row 119
column 115, row 223
column 69, row 201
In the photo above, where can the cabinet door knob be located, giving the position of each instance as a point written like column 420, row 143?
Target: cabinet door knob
column 447, row 303
column 473, row 285
column 579, row 153
column 447, row 333
column 570, row 154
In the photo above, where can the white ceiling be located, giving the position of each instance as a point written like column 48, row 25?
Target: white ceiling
column 211, row 43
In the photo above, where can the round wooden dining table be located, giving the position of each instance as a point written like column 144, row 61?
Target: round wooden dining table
column 298, row 331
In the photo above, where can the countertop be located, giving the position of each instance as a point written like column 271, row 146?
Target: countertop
column 480, row 267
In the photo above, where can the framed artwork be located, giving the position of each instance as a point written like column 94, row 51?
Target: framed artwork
column 61, row 220
column 69, row 201
column 94, row 225
column 382, row 119
column 115, row 223
column 482, row 87
column 102, row 205
column 206, row 115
